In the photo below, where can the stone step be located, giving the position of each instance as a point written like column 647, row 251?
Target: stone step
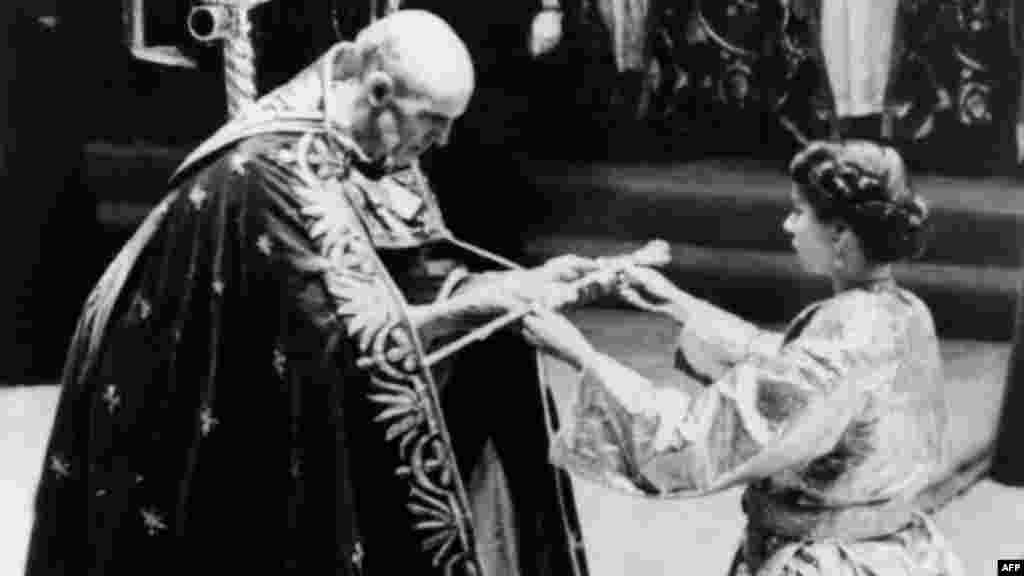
column 736, row 204
column 128, row 179
column 723, row 218
column 770, row 287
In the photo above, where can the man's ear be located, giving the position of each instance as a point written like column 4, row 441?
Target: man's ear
column 380, row 88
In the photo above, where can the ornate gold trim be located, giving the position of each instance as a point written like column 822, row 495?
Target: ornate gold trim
column 372, row 310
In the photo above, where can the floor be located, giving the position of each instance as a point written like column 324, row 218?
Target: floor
column 624, row 536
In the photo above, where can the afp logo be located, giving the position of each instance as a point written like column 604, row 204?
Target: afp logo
column 1011, row 567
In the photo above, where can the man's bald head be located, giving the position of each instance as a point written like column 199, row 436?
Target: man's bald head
column 423, row 55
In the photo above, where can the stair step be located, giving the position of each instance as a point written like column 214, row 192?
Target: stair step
column 771, row 288
column 735, row 205
column 130, row 173
column 723, row 219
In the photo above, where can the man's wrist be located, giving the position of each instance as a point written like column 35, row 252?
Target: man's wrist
column 452, row 283
column 441, row 319
column 471, row 281
column 679, row 311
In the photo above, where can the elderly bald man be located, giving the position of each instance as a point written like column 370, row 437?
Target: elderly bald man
column 249, row 388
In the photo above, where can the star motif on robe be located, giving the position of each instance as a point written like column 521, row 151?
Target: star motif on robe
column 279, row 362
column 237, row 162
column 112, row 398
column 263, row 244
column 197, row 196
column 207, row 422
column 357, row 555
column 143, row 306
column 59, row 466
column 153, row 521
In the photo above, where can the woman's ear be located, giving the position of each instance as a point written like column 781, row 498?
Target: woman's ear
column 845, row 243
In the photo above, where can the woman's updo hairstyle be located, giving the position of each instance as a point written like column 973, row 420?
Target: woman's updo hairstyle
column 864, row 185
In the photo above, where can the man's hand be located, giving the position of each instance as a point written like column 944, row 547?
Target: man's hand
column 554, row 334
column 468, row 309
column 492, row 294
column 485, row 300
column 549, row 285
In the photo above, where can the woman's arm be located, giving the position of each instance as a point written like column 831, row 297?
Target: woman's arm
column 760, row 418
column 711, row 340
column 764, row 415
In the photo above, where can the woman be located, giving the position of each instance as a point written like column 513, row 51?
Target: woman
column 833, row 426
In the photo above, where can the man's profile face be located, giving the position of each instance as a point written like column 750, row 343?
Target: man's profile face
column 415, row 121
column 419, row 123
column 416, row 90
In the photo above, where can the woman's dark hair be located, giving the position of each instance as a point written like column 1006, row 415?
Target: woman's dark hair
column 865, row 186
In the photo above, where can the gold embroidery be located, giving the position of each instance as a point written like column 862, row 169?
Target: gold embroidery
column 370, row 313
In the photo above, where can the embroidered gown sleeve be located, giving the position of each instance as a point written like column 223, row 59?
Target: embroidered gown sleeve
column 765, row 413
column 712, row 341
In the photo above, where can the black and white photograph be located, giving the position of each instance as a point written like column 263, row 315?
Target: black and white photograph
column 512, row 287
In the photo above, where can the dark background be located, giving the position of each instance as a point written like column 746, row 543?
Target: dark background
column 72, row 83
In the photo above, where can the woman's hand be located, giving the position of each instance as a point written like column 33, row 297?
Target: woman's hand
column 554, row 334
column 649, row 290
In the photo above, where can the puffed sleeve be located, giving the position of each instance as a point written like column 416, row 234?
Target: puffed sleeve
column 764, row 414
column 712, row 341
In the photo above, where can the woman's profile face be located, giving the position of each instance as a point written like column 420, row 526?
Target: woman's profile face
column 812, row 239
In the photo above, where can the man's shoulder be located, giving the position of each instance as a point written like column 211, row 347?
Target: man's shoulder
column 296, row 166
column 313, row 152
column 288, row 153
column 270, row 138
column 265, row 145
